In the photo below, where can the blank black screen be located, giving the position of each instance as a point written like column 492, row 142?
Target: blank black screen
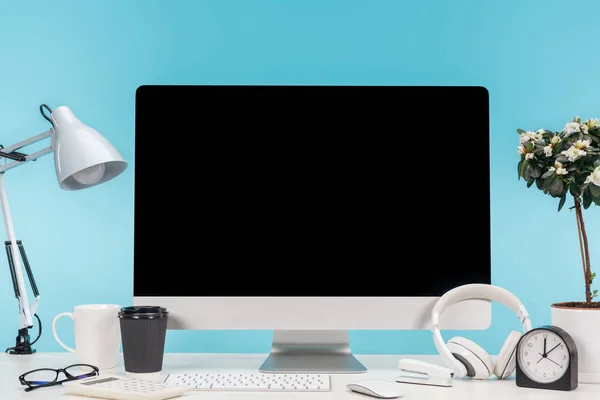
column 310, row 190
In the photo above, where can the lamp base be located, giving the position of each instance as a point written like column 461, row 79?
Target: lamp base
column 23, row 344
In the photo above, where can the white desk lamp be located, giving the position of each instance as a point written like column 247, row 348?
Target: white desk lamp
column 82, row 158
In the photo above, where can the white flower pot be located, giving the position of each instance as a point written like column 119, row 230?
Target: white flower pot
column 584, row 327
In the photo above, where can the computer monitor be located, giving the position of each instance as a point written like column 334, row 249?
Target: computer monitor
column 311, row 211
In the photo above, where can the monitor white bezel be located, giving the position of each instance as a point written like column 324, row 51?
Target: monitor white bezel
column 317, row 313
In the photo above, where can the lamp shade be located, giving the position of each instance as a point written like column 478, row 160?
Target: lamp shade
column 83, row 157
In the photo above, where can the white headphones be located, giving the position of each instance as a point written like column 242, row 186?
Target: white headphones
column 467, row 358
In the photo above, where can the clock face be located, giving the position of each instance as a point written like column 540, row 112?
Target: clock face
column 543, row 356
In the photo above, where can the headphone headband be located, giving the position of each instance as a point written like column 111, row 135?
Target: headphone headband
column 483, row 292
column 467, row 292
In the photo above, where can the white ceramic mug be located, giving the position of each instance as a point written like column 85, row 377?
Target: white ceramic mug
column 97, row 334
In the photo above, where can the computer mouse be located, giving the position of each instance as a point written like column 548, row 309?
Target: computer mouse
column 379, row 389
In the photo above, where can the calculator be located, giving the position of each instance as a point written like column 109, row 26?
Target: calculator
column 117, row 387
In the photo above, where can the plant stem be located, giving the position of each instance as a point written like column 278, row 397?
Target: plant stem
column 585, row 254
column 583, row 264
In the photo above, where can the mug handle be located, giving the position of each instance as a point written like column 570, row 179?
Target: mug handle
column 65, row 314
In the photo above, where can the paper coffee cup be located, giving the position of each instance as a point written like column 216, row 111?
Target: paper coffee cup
column 143, row 334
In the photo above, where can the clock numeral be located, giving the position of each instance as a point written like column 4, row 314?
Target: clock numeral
column 564, row 357
column 535, row 370
column 528, row 363
column 561, row 347
column 555, row 339
column 561, row 367
column 544, row 374
column 529, row 344
column 535, row 337
column 526, row 353
column 545, row 335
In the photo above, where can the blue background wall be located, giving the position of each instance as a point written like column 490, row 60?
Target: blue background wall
column 539, row 60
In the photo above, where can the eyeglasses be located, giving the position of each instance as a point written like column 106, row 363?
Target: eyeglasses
column 45, row 377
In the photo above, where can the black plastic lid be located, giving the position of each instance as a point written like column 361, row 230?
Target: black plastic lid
column 143, row 312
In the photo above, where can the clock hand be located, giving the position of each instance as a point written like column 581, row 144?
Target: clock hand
column 549, row 351
column 540, row 358
column 545, row 346
column 549, row 359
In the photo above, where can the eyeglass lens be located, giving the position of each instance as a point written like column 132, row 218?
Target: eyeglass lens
column 80, row 371
column 41, row 377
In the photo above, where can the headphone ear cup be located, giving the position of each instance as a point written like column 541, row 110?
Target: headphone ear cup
column 506, row 362
column 477, row 361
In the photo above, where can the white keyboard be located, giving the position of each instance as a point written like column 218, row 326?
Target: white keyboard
column 257, row 382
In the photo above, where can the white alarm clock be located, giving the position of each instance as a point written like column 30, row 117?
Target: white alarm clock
column 547, row 359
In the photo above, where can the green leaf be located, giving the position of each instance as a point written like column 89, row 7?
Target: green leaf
column 587, row 198
column 530, row 182
column 594, row 190
column 525, row 169
column 556, row 188
column 597, row 163
column 539, row 183
column 592, row 276
column 520, row 169
column 575, row 190
column 520, row 131
column 562, row 159
column 548, row 182
column 547, row 174
column 561, row 203
column 535, row 171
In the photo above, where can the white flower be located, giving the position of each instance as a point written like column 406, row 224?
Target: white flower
column 555, row 140
column 540, row 132
column 571, row 127
column 557, row 164
column 582, row 144
column 593, row 123
column 529, row 156
column 584, row 128
column 573, row 153
column 529, row 135
column 594, row 177
column 558, row 167
column 521, row 150
column 548, row 150
column 524, row 138
column 561, row 171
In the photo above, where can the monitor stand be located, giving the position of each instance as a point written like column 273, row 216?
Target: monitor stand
column 311, row 352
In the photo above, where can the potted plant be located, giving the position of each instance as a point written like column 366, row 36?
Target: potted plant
column 566, row 165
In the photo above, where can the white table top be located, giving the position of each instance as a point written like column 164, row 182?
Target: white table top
column 380, row 367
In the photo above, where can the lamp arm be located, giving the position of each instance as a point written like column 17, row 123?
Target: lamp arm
column 18, row 158
column 16, row 268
